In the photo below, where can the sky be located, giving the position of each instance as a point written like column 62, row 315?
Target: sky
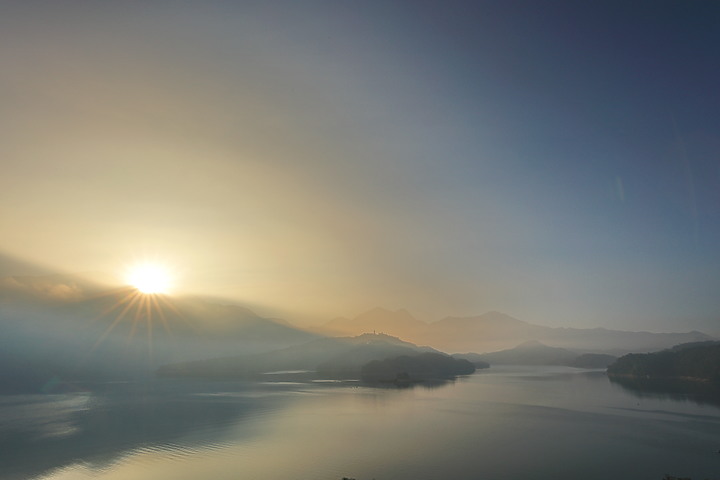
column 556, row 161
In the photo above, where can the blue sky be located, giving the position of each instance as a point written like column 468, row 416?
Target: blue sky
column 558, row 161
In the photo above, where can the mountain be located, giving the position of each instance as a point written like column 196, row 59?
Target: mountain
column 496, row 331
column 530, row 353
column 477, row 359
column 66, row 328
column 490, row 331
column 685, row 346
column 333, row 357
column 446, row 334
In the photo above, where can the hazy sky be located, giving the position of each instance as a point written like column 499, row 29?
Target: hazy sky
column 557, row 161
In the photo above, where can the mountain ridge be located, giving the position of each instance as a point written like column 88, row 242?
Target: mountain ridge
column 494, row 331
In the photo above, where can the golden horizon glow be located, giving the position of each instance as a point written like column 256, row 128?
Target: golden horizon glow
column 150, row 278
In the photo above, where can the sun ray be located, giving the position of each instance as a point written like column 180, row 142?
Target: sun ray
column 115, row 305
column 169, row 305
column 114, row 324
column 144, row 303
column 150, row 330
column 160, row 313
column 136, row 315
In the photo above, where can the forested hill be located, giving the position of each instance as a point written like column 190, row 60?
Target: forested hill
column 699, row 361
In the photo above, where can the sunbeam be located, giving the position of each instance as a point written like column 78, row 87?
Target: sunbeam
column 137, row 307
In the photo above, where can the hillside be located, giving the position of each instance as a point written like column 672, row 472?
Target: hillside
column 328, row 357
column 71, row 328
column 683, row 362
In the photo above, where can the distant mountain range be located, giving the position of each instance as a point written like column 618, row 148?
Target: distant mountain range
column 494, row 331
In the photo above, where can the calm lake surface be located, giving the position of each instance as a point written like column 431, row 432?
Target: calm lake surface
column 502, row 423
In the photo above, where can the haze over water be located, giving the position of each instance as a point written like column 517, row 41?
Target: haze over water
column 505, row 423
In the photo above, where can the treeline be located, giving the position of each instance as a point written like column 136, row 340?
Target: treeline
column 692, row 362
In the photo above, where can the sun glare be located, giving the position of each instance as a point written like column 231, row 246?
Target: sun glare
column 150, row 278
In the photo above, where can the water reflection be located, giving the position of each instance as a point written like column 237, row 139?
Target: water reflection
column 676, row 390
column 45, row 432
column 513, row 422
column 400, row 385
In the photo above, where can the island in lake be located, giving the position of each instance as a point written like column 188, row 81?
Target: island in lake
column 407, row 369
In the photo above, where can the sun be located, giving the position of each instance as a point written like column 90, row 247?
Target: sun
column 150, row 278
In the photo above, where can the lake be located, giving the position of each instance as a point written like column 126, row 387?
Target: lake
column 502, row 423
